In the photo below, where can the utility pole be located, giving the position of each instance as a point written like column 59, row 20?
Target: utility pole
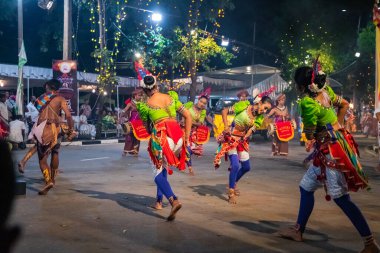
column 67, row 30
column 20, row 24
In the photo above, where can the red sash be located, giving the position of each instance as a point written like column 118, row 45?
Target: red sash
column 139, row 130
column 202, row 135
column 285, row 131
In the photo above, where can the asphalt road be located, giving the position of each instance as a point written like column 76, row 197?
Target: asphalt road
column 101, row 204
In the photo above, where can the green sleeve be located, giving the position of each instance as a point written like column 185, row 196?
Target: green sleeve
column 143, row 110
column 331, row 93
column 188, row 105
column 259, row 121
column 175, row 98
column 310, row 110
column 202, row 116
column 240, row 106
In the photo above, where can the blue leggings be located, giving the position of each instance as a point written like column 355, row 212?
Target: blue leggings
column 189, row 163
column 163, row 186
column 344, row 202
column 236, row 172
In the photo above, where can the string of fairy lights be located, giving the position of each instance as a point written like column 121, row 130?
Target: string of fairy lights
column 106, row 59
column 301, row 39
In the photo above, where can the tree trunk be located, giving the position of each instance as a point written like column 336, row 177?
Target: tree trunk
column 193, row 25
column 101, row 16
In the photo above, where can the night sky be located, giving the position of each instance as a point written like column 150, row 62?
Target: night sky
column 274, row 16
column 270, row 17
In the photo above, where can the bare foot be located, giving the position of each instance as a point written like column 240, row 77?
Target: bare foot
column 291, row 233
column 191, row 171
column 175, row 207
column 46, row 188
column 21, row 167
column 157, row 206
column 231, row 196
column 236, row 191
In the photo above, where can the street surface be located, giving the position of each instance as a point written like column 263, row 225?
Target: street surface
column 101, row 204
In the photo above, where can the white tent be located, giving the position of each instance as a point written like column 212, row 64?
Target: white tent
column 227, row 82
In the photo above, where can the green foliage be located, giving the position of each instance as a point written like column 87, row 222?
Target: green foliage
column 153, row 45
column 365, row 71
column 302, row 44
column 200, row 46
column 106, row 77
column 367, row 40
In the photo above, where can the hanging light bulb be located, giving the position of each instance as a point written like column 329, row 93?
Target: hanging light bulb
column 225, row 42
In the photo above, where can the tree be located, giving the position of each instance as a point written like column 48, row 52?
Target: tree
column 365, row 72
column 198, row 46
column 196, row 51
column 302, row 43
column 154, row 47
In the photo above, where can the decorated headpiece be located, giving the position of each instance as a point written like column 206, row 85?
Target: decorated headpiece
column 141, row 71
column 257, row 96
column 206, row 93
column 318, row 77
column 149, row 82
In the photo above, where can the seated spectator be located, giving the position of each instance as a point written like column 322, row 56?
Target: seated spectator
column 17, row 132
column 108, row 121
column 86, row 108
column 84, row 127
column 76, row 122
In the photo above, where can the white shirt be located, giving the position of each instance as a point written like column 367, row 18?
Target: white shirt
column 4, row 111
column 32, row 112
column 15, row 131
column 82, row 119
column 10, row 103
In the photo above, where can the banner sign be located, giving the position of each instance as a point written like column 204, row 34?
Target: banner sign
column 65, row 71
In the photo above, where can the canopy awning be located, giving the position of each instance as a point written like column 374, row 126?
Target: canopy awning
column 37, row 76
column 226, row 82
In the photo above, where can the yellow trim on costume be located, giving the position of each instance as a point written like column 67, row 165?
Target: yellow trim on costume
column 285, row 139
